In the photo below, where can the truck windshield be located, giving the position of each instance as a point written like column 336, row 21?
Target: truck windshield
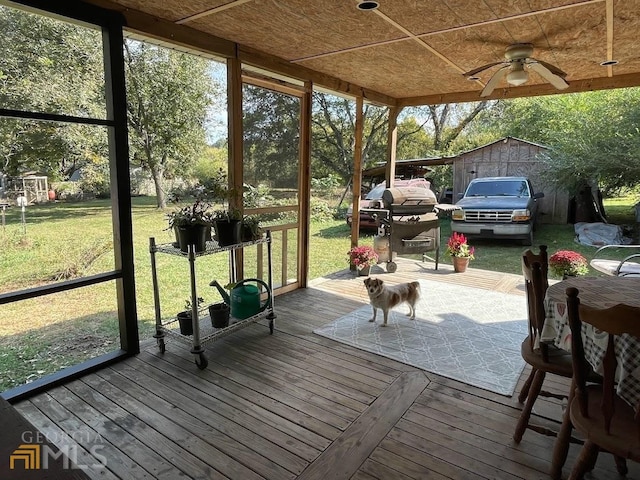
column 516, row 188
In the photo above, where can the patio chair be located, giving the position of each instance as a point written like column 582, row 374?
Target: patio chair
column 546, row 358
column 627, row 267
column 607, row 422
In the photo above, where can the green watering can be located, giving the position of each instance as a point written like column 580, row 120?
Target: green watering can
column 244, row 299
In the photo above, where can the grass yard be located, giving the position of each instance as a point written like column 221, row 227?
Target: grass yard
column 64, row 240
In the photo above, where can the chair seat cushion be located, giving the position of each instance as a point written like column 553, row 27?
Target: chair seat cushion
column 623, row 440
column 609, row 267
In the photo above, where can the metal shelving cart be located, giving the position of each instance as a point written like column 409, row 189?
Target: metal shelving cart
column 203, row 334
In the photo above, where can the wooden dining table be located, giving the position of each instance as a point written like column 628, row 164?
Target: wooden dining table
column 596, row 292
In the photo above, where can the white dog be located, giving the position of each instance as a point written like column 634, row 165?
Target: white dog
column 386, row 297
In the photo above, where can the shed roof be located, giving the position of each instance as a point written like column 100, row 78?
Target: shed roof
column 503, row 139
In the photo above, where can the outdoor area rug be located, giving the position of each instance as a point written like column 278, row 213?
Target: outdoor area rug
column 468, row 334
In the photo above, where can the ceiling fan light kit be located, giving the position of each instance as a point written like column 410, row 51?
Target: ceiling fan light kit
column 517, row 76
column 514, row 68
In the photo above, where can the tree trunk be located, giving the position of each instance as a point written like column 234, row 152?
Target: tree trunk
column 161, row 199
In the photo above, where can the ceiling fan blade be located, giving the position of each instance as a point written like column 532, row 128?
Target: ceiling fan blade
column 552, row 68
column 471, row 73
column 493, row 81
column 552, row 78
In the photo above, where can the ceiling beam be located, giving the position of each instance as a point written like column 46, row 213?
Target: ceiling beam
column 159, row 29
column 587, row 85
column 212, row 11
column 609, row 36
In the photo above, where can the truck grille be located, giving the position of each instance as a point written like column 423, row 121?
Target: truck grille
column 488, row 216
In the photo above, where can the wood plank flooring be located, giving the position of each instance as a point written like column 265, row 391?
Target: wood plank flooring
column 294, row 405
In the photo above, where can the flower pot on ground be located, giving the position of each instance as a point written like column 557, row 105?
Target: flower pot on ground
column 363, row 257
column 460, row 264
column 219, row 313
column 460, row 251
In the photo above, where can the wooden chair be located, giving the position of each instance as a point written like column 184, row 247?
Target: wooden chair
column 607, row 422
column 547, row 359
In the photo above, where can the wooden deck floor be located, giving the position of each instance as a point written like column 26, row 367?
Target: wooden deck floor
column 294, row 405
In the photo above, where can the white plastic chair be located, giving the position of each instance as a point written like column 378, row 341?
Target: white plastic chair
column 627, row 267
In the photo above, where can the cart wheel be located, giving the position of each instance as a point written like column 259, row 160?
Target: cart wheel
column 202, row 361
column 161, row 345
column 392, row 267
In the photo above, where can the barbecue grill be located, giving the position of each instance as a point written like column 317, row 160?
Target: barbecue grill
column 409, row 223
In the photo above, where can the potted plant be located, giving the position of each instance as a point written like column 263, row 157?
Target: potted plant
column 192, row 223
column 250, row 228
column 227, row 224
column 567, row 263
column 363, row 257
column 185, row 318
column 460, row 251
column 219, row 314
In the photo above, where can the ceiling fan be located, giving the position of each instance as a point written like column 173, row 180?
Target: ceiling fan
column 517, row 61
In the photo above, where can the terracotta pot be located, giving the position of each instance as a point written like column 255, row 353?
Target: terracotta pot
column 460, row 264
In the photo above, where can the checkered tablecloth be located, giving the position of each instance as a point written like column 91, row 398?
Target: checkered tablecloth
column 597, row 292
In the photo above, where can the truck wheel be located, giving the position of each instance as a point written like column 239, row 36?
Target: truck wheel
column 529, row 240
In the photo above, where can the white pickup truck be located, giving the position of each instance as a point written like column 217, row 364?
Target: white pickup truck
column 497, row 207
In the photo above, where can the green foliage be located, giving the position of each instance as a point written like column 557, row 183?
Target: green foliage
column 194, row 214
column 271, row 126
column 333, row 129
column 592, row 135
column 325, row 185
column 168, row 96
column 94, row 181
column 214, row 185
column 256, row 196
column 320, row 210
column 50, row 66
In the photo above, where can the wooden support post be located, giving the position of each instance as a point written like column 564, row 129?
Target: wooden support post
column 357, row 173
column 392, row 143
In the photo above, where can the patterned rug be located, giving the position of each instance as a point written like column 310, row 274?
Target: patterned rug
column 463, row 333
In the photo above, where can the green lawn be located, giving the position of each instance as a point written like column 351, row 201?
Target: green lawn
column 37, row 336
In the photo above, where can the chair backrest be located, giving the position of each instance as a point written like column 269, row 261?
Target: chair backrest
column 615, row 321
column 534, row 270
column 529, row 258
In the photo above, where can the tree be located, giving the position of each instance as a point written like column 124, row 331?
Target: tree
column 591, row 136
column 169, row 94
column 47, row 65
column 271, row 127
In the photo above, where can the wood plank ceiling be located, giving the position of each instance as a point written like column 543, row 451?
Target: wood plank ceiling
column 413, row 52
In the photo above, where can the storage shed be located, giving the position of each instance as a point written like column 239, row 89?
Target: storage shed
column 507, row 157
